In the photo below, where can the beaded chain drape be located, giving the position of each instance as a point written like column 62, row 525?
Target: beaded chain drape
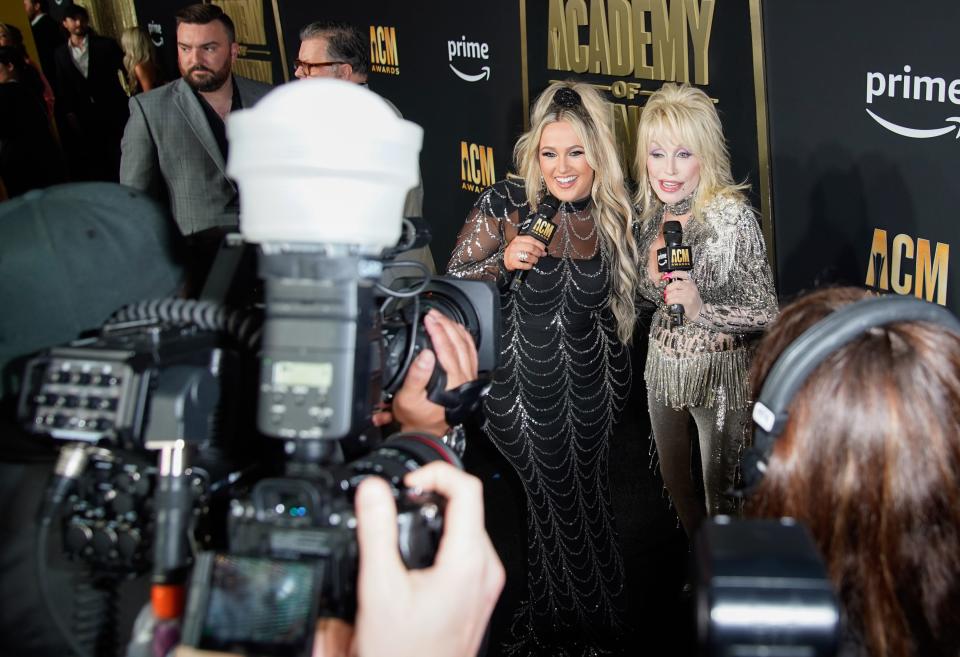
column 562, row 382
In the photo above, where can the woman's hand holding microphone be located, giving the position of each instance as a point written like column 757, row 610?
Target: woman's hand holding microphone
column 523, row 252
column 682, row 290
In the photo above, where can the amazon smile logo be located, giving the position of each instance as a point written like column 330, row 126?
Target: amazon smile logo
column 917, row 88
column 155, row 30
column 469, row 50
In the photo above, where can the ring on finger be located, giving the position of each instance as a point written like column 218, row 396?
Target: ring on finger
column 522, row 256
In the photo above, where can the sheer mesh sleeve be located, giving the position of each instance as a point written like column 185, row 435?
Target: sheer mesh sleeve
column 749, row 302
column 647, row 293
column 478, row 253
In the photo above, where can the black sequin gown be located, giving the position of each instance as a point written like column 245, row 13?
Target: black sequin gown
column 562, row 382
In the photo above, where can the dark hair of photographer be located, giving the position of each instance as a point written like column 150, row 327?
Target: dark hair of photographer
column 870, row 461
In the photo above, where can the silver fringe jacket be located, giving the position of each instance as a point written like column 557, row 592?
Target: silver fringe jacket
column 706, row 361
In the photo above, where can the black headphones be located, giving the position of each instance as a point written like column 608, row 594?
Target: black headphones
column 813, row 346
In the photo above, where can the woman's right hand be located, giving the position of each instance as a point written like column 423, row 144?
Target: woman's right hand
column 522, row 252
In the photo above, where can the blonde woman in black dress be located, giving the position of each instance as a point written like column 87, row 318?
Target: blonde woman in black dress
column 565, row 369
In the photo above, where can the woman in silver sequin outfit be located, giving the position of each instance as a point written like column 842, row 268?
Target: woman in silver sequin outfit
column 698, row 372
column 565, row 368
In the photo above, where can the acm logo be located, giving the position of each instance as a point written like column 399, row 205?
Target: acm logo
column 680, row 258
column 543, row 229
column 889, row 265
column 476, row 167
column 384, row 55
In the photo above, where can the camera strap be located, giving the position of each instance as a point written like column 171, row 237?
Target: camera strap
column 460, row 402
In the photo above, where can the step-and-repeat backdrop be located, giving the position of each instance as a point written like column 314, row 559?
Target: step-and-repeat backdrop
column 864, row 125
column 468, row 71
column 842, row 116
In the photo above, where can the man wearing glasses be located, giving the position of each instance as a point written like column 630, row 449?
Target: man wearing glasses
column 330, row 49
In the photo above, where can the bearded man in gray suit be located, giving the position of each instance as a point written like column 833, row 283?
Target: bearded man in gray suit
column 175, row 142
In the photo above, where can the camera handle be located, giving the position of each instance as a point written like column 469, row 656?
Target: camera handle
column 460, row 402
column 184, row 403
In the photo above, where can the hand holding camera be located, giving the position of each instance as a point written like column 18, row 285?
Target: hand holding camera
column 457, row 356
column 442, row 610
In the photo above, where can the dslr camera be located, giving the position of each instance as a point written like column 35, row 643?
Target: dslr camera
column 323, row 206
column 299, row 375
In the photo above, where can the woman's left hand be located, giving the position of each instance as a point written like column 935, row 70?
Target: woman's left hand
column 681, row 289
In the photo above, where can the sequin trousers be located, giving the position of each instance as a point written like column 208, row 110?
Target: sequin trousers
column 563, row 380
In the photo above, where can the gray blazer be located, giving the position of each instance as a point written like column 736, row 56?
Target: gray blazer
column 170, row 153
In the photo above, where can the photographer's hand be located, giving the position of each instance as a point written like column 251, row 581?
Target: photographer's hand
column 441, row 611
column 458, row 356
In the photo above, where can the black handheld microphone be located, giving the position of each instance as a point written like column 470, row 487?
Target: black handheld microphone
column 674, row 257
column 539, row 226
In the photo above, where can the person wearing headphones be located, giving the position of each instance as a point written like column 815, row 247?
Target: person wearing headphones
column 859, row 439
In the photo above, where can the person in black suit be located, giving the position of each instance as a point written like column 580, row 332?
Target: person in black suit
column 47, row 35
column 91, row 103
column 29, row 157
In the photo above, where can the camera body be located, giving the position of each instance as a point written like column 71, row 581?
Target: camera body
column 329, row 356
column 311, row 517
column 116, row 391
column 100, row 389
column 763, row 589
column 332, row 343
column 305, row 522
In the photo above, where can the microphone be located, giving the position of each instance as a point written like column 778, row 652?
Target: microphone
column 539, row 226
column 674, row 257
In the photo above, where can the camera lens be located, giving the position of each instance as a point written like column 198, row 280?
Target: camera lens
column 399, row 455
column 406, row 326
column 419, row 518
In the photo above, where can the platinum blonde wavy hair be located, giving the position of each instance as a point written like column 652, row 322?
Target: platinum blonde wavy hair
column 685, row 115
column 611, row 203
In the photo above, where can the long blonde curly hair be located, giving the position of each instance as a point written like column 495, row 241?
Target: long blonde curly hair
column 685, row 115
column 137, row 49
column 611, row 202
